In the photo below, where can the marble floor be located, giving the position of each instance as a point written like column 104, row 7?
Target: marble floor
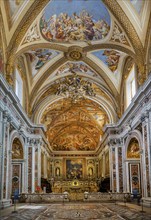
column 75, row 211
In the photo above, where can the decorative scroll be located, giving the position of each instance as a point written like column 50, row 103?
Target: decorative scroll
column 29, row 169
column 120, row 169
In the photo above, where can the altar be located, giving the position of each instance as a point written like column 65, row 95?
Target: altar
column 74, row 186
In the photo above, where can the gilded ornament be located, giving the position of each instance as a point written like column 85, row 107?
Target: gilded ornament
column 75, row 55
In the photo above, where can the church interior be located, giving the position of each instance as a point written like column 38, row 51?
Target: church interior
column 75, row 102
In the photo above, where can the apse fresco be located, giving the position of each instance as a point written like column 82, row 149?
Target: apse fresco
column 39, row 57
column 75, row 67
column 75, row 141
column 14, row 5
column 109, row 57
column 74, row 127
column 72, row 20
column 74, row 169
column 138, row 5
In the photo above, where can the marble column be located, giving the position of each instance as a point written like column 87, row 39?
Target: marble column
column 26, row 166
column 33, row 170
column 117, row 169
column 45, row 165
column 8, row 162
column 146, row 180
column 39, row 165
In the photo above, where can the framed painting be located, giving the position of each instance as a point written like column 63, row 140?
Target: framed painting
column 74, row 168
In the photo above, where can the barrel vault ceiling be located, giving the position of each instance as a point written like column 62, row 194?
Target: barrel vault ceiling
column 86, row 42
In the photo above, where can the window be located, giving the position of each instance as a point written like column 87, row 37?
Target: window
column 19, row 87
column 130, row 86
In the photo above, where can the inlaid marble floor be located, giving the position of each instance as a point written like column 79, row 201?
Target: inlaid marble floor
column 76, row 211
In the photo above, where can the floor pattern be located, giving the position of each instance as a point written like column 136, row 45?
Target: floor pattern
column 76, row 211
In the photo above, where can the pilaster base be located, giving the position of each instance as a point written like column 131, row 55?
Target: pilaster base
column 147, row 201
column 5, row 203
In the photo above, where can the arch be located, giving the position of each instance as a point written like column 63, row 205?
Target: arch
column 134, row 134
column 133, row 149
column 17, row 149
column 13, row 135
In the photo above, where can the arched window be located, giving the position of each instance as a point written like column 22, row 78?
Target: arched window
column 19, row 87
column 130, row 86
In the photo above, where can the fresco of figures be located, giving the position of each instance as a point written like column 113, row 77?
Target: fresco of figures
column 74, row 142
column 75, row 67
column 85, row 21
column 133, row 150
column 39, row 57
column 109, row 57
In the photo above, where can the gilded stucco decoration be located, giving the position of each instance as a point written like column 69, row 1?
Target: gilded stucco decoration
column 74, row 127
column 118, row 35
column 113, row 7
column 32, row 34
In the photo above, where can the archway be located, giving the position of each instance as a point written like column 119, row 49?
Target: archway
column 133, row 159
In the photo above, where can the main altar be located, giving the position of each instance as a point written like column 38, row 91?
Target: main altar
column 74, row 186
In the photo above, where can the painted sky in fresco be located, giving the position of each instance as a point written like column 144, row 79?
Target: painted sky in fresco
column 75, row 20
column 109, row 57
column 137, row 4
column 75, row 67
column 39, row 57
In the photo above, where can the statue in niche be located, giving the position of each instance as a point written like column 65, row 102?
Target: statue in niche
column 57, row 171
column 90, row 172
column 17, row 150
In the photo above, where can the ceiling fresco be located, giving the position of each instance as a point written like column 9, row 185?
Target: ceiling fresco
column 39, row 57
column 76, row 67
column 74, row 127
column 109, row 57
column 138, row 5
column 84, row 20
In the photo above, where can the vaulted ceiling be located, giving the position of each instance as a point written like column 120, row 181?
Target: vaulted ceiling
column 52, row 41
